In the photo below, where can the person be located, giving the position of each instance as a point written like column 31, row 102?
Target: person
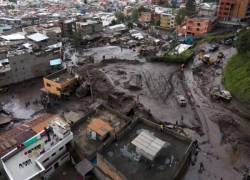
column 201, row 167
column 162, row 127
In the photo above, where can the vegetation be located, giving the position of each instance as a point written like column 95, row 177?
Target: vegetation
column 214, row 38
column 173, row 58
column 135, row 15
column 76, row 39
column 190, row 8
column 120, row 16
column 243, row 42
column 237, row 72
column 237, row 77
column 180, row 15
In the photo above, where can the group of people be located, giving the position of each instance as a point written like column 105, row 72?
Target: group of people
column 25, row 163
column 38, row 147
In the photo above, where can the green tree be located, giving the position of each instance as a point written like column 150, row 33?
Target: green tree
column 180, row 15
column 243, row 42
column 135, row 15
column 76, row 39
column 119, row 16
column 130, row 25
column 191, row 8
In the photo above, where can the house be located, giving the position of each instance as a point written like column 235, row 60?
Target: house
column 98, row 129
column 167, row 21
column 196, row 26
column 89, row 27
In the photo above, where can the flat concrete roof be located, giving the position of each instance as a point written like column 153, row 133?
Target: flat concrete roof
column 123, row 156
column 32, row 153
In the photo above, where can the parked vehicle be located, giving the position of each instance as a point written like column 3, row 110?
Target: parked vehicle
column 181, row 100
column 213, row 48
column 219, row 94
column 3, row 90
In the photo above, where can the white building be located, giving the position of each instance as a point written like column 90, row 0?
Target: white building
column 40, row 155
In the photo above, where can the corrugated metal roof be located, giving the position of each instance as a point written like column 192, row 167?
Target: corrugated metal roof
column 148, row 144
column 100, row 127
column 38, row 37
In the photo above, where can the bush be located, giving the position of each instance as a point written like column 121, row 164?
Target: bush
column 181, row 58
column 236, row 77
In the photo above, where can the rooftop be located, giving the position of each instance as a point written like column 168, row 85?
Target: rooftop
column 88, row 146
column 37, row 37
column 166, row 164
column 61, row 76
column 26, row 162
column 100, row 126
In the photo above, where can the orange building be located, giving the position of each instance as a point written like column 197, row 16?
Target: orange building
column 239, row 9
column 196, row 26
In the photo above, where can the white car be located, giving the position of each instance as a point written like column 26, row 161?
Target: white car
column 181, row 100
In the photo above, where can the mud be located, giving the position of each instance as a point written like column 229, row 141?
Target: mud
column 222, row 130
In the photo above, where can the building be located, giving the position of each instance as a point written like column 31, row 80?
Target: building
column 39, row 156
column 88, row 27
column 167, row 21
column 90, row 136
column 60, row 83
column 207, row 9
column 151, row 152
column 233, row 9
column 196, row 26
column 98, row 129
column 67, row 27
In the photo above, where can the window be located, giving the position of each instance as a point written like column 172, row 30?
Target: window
column 48, row 169
column 44, row 161
column 198, row 29
column 198, row 24
column 53, row 154
column 61, row 148
column 48, row 84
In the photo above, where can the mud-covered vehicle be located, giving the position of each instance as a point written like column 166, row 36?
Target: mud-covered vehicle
column 3, row 90
column 219, row 94
column 181, row 100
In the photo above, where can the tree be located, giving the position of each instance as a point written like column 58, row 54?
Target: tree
column 243, row 42
column 190, row 7
column 119, row 16
column 180, row 16
column 76, row 38
column 130, row 25
column 135, row 15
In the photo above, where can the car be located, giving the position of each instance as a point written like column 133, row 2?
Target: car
column 213, row 48
column 181, row 100
column 219, row 94
column 3, row 90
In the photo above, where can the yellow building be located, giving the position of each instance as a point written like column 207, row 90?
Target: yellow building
column 59, row 83
column 167, row 21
